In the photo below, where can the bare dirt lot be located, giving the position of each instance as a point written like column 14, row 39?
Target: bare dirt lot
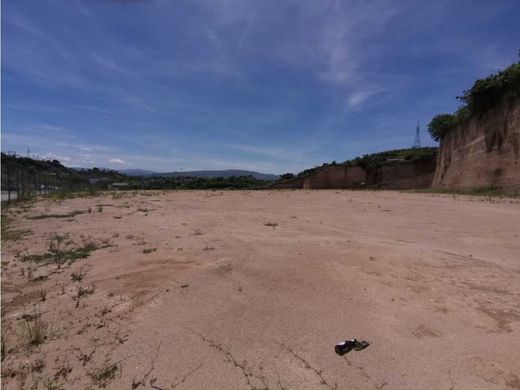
column 252, row 290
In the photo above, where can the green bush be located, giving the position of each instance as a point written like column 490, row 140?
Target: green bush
column 441, row 124
column 489, row 92
column 482, row 96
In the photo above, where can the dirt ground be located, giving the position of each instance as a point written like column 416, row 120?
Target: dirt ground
column 252, row 290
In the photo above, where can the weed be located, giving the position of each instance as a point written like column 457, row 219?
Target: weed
column 84, row 292
column 38, row 365
column 118, row 216
column 63, row 371
column 43, row 295
column 143, row 209
column 52, row 385
column 100, row 209
column 148, row 251
column 61, row 250
column 89, row 210
column 84, row 358
column 36, row 330
column 3, row 349
column 77, row 276
column 67, row 215
column 130, row 236
column 103, row 375
column 273, row 224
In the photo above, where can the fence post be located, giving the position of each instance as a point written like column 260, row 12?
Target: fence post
column 8, row 184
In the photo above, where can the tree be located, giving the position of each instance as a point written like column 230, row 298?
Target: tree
column 440, row 125
column 287, row 176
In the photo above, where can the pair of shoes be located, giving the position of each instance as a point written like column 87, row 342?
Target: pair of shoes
column 348, row 345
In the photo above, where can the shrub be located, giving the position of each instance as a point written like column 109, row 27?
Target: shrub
column 441, row 124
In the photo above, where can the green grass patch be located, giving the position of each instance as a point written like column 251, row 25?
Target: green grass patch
column 62, row 250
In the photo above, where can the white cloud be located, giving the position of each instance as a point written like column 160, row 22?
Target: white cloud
column 116, row 161
column 54, row 156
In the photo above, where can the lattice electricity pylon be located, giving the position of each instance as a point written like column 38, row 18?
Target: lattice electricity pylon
column 417, row 143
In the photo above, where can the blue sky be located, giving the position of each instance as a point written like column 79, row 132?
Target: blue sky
column 269, row 85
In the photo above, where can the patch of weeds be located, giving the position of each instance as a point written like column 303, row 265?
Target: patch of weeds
column 61, row 195
column 77, row 276
column 272, row 224
column 51, row 384
column 36, row 330
column 38, row 365
column 149, row 250
column 82, row 292
column 61, row 250
column 66, row 215
column 103, row 375
column 63, row 371
column 117, row 195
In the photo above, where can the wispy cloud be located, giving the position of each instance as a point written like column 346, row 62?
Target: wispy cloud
column 268, row 85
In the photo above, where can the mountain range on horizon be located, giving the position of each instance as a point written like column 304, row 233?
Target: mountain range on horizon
column 206, row 174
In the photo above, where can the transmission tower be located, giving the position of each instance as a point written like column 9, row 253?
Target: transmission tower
column 417, row 143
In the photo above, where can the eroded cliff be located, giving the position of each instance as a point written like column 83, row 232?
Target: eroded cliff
column 482, row 152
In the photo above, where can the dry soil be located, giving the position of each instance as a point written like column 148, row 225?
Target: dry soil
column 252, row 290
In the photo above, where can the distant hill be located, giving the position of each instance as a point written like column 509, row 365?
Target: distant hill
column 67, row 177
column 202, row 174
column 137, row 172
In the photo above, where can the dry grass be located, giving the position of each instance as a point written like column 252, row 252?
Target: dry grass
column 103, row 375
column 36, row 330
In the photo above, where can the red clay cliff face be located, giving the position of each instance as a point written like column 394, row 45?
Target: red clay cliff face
column 484, row 152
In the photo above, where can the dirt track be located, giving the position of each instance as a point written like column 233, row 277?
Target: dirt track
column 251, row 290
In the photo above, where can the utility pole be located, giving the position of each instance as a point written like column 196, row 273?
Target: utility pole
column 417, row 143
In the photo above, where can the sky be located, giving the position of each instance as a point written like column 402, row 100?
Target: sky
column 270, row 85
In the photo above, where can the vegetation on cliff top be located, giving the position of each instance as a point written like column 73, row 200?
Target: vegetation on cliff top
column 482, row 96
column 374, row 160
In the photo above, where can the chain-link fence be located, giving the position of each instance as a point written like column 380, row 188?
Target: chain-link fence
column 20, row 183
